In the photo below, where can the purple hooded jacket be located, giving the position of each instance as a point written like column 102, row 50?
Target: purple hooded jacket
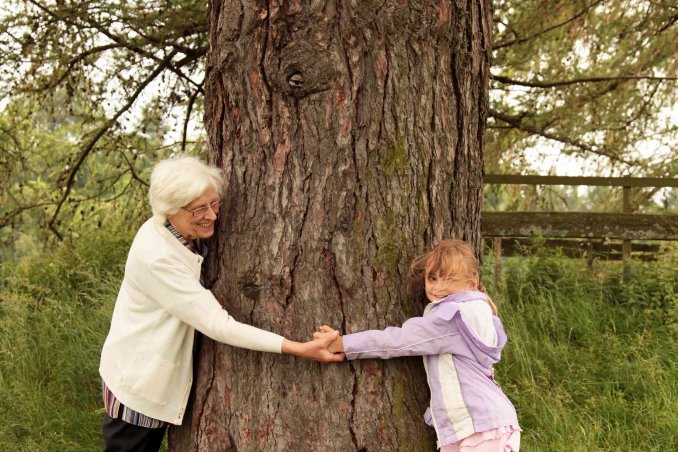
column 465, row 399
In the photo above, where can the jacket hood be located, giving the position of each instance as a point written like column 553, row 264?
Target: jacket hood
column 449, row 309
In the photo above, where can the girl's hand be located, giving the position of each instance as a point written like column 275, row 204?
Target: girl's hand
column 337, row 345
column 315, row 350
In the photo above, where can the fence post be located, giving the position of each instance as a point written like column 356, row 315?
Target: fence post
column 626, row 244
column 496, row 249
column 589, row 255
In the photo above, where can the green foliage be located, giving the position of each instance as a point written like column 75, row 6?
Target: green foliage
column 110, row 187
column 55, row 308
column 591, row 362
column 76, row 134
column 591, row 78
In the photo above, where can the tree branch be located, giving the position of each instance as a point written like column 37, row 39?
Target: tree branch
column 5, row 219
column 100, row 133
column 198, row 29
column 517, row 123
column 135, row 48
column 545, row 85
column 191, row 101
column 511, row 42
column 130, row 45
column 73, row 62
column 134, row 174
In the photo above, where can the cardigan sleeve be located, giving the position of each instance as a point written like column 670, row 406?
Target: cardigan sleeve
column 174, row 287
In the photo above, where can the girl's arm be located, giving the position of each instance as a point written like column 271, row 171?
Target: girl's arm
column 419, row 336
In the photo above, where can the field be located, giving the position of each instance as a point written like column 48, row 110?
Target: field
column 591, row 363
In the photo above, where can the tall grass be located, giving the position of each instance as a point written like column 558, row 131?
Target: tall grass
column 55, row 310
column 591, row 362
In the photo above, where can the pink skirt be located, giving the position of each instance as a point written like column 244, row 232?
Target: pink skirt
column 502, row 439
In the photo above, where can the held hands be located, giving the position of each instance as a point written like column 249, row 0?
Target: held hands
column 325, row 332
column 315, row 350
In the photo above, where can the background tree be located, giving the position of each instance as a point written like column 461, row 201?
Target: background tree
column 351, row 138
column 593, row 79
column 108, row 191
column 113, row 71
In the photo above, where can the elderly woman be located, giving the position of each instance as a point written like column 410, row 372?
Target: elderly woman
column 146, row 361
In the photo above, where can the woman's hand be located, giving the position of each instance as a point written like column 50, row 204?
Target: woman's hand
column 315, row 350
column 337, row 346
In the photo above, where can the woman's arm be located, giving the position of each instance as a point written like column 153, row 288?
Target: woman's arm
column 172, row 286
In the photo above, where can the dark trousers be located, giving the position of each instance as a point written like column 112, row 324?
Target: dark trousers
column 121, row 436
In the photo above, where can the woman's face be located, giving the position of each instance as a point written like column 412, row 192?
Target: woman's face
column 197, row 227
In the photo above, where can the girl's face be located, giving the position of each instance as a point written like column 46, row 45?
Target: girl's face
column 439, row 286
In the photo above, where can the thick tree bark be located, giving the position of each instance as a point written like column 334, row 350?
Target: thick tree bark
column 351, row 136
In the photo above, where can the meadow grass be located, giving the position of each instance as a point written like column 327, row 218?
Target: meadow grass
column 55, row 309
column 590, row 364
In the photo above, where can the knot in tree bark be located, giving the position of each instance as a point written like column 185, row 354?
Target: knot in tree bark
column 304, row 69
column 296, row 80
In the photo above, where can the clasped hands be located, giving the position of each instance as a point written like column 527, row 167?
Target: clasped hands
column 326, row 346
column 331, row 340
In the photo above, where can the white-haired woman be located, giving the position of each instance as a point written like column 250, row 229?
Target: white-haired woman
column 146, row 361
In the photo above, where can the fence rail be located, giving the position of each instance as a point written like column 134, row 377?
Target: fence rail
column 514, row 179
column 625, row 226
column 621, row 226
column 590, row 249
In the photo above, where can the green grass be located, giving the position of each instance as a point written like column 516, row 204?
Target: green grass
column 591, row 362
column 55, row 310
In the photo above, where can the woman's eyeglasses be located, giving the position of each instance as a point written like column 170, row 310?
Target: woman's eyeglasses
column 200, row 211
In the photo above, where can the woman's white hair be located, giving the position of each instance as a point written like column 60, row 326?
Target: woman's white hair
column 176, row 182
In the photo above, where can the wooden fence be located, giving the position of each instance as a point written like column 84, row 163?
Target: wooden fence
column 557, row 227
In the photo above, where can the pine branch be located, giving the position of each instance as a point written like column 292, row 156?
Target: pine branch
column 511, row 42
column 133, row 172
column 517, row 123
column 189, row 109
column 200, row 28
column 8, row 133
column 546, row 85
column 5, row 219
column 82, row 156
column 130, row 45
column 71, row 63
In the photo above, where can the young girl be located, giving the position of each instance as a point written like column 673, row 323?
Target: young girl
column 460, row 338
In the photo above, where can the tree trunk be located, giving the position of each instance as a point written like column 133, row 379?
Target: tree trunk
column 351, row 136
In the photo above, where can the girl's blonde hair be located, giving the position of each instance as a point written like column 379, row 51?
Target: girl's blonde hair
column 453, row 258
